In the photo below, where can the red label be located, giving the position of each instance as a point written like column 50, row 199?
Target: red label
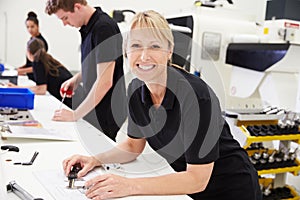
column 291, row 25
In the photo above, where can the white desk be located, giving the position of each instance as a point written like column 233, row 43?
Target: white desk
column 52, row 153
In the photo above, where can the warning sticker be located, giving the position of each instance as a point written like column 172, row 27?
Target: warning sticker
column 291, row 25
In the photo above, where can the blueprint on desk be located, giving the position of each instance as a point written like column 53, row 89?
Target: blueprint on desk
column 55, row 182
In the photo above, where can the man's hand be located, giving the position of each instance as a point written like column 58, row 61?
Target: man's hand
column 64, row 115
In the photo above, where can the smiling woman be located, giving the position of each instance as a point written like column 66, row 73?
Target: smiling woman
column 179, row 115
column 148, row 56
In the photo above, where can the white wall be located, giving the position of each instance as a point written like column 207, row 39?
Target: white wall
column 64, row 41
column 2, row 37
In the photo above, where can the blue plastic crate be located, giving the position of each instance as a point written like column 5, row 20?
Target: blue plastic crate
column 21, row 98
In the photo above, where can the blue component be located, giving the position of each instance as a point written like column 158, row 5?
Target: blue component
column 197, row 73
column 21, row 98
column 2, row 68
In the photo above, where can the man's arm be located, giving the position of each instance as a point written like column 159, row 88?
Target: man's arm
column 78, row 79
column 99, row 89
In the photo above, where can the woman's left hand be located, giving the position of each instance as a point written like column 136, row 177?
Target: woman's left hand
column 64, row 115
column 109, row 186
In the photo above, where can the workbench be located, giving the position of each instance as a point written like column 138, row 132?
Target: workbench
column 53, row 152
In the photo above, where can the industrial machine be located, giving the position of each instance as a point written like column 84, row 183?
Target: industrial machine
column 269, row 71
column 206, row 33
column 253, row 67
column 249, row 63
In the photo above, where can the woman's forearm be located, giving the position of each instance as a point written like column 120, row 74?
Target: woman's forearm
column 39, row 89
column 24, row 70
column 125, row 152
column 186, row 182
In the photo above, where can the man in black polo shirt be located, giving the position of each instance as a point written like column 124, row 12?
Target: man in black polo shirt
column 102, row 66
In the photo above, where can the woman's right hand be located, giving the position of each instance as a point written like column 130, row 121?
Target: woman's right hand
column 87, row 163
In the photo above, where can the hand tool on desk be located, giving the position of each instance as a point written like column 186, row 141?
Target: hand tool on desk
column 19, row 191
column 30, row 162
column 4, row 128
column 10, row 148
column 109, row 166
column 72, row 176
column 25, row 123
column 65, row 93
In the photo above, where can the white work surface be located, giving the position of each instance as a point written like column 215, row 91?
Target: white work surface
column 52, row 153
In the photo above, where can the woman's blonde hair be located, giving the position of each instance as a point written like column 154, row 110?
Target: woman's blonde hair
column 156, row 23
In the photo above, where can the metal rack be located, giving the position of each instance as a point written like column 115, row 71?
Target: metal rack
column 267, row 181
column 286, row 139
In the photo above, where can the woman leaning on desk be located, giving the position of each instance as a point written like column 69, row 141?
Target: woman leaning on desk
column 48, row 73
column 179, row 116
column 32, row 25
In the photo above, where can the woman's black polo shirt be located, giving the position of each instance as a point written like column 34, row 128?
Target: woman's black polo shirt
column 53, row 82
column 188, row 128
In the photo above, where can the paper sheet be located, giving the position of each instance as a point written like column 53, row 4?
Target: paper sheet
column 55, row 182
column 36, row 133
column 244, row 82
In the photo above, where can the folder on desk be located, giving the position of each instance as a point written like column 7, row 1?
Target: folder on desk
column 35, row 133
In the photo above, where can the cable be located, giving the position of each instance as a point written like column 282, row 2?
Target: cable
column 118, row 15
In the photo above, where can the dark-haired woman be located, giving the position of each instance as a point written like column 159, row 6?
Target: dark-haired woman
column 48, row 73
column 32, row 25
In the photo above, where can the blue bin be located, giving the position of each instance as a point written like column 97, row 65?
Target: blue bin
column 21, row 98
